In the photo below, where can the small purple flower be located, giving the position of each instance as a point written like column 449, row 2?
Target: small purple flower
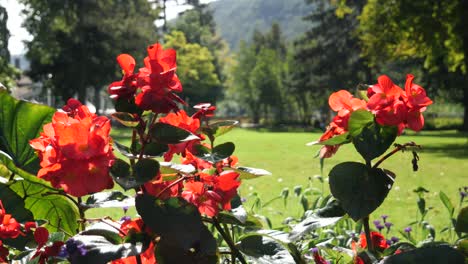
column 376, row 223
column 72, row 249
column 125, row 218
column 125, row 209
column 243, row 199
column 408, row 229
column 314, row 250
column 394, row 239
column 384, row 217
column 388, row 225
column 389, row 242
column 379, row 227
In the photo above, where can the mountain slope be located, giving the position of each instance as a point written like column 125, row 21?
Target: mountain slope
column 237, row 19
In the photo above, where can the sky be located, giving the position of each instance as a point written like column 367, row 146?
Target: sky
column 19, row 34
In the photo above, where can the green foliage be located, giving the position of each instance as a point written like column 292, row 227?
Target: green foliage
column 20, row 122
column 73, row 45
column 360, row 189
column 184, row 238
column 195, row 68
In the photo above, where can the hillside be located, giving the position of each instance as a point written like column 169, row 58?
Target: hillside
column 237, row 19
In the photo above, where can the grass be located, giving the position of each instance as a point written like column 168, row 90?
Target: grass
column 443, row 166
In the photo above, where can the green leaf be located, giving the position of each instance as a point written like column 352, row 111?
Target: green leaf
column 336, row 140
column 8, row 162
column 109, row 200
column 359, row 189
column 125, row 119
column 171, row 168
column 168, row 134
column 309, row 224
column 246, row 173
column 447, row 203
column 374, row 140
column 184, row 237
column 333, row 208
column 358, row 120
column 217, row 154
column 269, row 246
column 127, row 106
column 239, row 217
column 462, row 220
column 219, row 128
column 145, row 170
column 58, row 210
column 154, row 149
column 431, row 254
column 21, row 121
column 101, row 250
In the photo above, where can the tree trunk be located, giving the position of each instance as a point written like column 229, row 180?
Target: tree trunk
column 97, row 100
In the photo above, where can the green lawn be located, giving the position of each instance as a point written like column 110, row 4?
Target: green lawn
column 443, row 166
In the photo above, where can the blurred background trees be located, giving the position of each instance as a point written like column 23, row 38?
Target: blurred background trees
column 272, row 62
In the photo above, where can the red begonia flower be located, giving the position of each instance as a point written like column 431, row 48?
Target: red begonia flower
column 9, row 227
column 182, row 120
column 147, row 257
column 378, row 241
column 75, row 152
column 127, row 87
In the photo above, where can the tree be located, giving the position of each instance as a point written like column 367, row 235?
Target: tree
column 8, row 73
column 75, row 43
column 433, row 31
column 198, row 26
column 195, row 68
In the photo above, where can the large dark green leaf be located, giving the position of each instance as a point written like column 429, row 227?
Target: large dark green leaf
column 21, row 121
column 184, row 238
column 430, row 254
column 152, row 150
column 168, row 134
column 374, row 140
column 462, row 220
column 124, row 175
column 145, row 170
column 270, row 246
column 59, row 211
column 218, row 153
column 359, row 189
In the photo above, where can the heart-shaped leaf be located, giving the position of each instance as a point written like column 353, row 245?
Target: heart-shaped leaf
column 146, row 169
column 358, row 120
column 374, row 140
column 184, row 237
column 21, row 121
column 359, row 189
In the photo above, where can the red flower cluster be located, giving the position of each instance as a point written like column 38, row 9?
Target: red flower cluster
column 43, row 252
column 136, row 226
column 9, row 227
column 391, row 106
column 378, row 241
column 75, row 151
column 394, row 107
column 154, row 86
column 182, row 120
column 211, row 193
